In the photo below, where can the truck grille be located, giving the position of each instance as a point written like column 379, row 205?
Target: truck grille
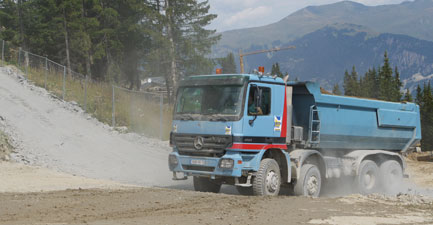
column 212, row 145
column 199, row 168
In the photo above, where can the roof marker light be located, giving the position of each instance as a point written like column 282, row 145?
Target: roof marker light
column 262, row 69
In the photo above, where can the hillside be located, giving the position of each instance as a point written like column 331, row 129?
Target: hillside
column 58, row 135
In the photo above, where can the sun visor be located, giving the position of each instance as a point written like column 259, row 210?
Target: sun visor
column 213, row 80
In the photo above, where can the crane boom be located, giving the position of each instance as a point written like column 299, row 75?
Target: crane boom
column 241, row 55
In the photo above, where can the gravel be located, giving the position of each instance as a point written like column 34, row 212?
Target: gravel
column 52, row 133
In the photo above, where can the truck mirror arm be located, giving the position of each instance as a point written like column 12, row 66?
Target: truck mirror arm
column 252, row 121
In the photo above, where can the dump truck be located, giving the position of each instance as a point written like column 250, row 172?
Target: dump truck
column 261, row 132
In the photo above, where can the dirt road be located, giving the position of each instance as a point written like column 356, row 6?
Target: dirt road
column 164, row 206
column 34, row 195
column 81, row 172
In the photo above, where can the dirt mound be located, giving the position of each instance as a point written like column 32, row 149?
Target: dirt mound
column 421, row 156
column 58, row 135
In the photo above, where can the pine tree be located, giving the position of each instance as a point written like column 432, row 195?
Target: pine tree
column 354, row 81
column 184, row 42
column 369, row 85
column 407, row 96
column 276, row 70
column 386, row 81
column 375, row 89
column 228, row 64
column 351, row 83
column 9, row 21
column 336, row 90
column 419, row 96
column 396, row 94
column 427, row 118
column 347, row 84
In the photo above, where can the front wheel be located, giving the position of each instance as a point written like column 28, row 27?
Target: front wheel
column 310, row 181
column 268, row 179
column 204, row 184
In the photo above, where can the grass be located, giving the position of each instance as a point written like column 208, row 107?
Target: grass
column 5, row 147
column 139, row 112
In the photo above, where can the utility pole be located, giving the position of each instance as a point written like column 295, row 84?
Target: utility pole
column 241, row 55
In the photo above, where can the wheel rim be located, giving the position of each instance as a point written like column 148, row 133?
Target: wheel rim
column 312, row 186
column 394, row 176
column 369, row 179
column 272, row 181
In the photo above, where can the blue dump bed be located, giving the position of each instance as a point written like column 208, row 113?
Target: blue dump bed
column 340, row 122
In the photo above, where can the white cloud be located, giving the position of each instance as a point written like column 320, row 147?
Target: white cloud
column 234, row 14
column 378, row 2
column 248, row 14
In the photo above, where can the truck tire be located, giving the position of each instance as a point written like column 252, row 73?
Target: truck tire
column 245, row 190
column 368, row 177
column 309, row 182
column 391, row 176
column 204, row 184
column 268, row 178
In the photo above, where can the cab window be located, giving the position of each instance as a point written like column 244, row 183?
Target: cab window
column 264, row 107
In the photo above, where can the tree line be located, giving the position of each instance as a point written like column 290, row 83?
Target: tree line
column 384, row 83
column 116, row 41
column 228, row 66
column 424, row 98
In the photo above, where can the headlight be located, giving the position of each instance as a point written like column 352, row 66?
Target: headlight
column 172, row 160
column 226, row 163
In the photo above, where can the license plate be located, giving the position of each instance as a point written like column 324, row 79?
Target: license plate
column 198, row 162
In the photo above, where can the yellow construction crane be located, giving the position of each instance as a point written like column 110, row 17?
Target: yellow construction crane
column 241, row 55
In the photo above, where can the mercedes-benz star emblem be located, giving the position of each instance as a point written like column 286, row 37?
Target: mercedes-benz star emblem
column 198, row 143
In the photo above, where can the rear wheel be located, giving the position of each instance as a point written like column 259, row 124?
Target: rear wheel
column 268, row 179
column 391, row 176
column 367, row 179
column 310, row 181
column 204, row 184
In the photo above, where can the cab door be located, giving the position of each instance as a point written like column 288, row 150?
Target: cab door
column 259, row 123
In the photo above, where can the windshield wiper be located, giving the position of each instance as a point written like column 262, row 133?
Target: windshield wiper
column 186, row 117
column 218, row 118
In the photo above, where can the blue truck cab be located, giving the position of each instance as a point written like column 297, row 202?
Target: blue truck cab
column 260, row 132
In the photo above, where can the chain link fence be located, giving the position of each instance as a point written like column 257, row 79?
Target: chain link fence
column 137, row 111
column 140, row 111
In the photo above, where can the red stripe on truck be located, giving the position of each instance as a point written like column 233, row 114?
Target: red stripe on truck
column 247, row 146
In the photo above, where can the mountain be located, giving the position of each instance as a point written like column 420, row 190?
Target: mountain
column 415, row 80
column 324, row 54
column 332, row 38
column 410, row 18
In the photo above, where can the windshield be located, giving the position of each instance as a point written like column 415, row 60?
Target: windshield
column 210, row 100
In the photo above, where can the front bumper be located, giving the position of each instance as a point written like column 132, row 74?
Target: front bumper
column 208, row 166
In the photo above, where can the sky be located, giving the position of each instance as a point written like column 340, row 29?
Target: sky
column 234, row 14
